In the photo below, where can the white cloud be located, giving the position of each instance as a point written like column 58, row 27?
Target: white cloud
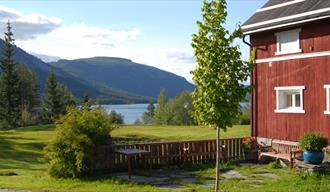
column 45, row 35
column 81, row 34
column 180, row 56
column 27, row 26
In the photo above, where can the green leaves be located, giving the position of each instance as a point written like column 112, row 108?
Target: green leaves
column 79, row 134
column 313, row 142
column 220, row 69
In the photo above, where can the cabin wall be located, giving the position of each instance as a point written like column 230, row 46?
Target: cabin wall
column 314, row 37
column 312, row 73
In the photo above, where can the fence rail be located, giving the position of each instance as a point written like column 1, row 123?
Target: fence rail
column 169, row 153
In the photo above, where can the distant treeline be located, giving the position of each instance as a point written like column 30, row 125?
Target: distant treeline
column 178, row 111
column 175, row 111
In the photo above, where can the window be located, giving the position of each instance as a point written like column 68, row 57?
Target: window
column 288, row 42
column 289, row 99
column 327, row 96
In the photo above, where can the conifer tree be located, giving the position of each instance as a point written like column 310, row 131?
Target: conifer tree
column 52, row 106
column 10, row 105
column 29, row 87
column 57, row 99
column 29, row 95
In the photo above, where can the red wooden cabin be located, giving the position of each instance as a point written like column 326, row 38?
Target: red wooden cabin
column 292, row 73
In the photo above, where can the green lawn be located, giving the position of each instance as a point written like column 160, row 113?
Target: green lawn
column 141, row 133
column 22, row 165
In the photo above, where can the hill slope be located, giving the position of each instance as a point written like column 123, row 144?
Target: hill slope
column 125, row 75
column 77, row 86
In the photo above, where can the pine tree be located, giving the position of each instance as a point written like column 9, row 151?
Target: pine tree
column 52, row 107
column 10, row 105
column 29, row 97
column 57, row 99
column 29, row 87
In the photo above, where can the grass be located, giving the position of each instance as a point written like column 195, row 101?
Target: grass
column 135, row 134
column 22, row 165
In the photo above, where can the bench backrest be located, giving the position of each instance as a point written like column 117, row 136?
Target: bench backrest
column 281, row 146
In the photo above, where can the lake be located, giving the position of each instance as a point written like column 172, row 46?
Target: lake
column 131, row 112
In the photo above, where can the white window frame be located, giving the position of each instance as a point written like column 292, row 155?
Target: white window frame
column 327, row 107
column 283, row 33
column 294, row 109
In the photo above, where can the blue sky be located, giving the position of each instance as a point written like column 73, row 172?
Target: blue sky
column 152, row 32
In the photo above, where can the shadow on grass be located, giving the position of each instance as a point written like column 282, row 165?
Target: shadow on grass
column 16, row 155
column 49, row 127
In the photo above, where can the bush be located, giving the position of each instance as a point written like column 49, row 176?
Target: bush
column 313, row 142
column 79, row 134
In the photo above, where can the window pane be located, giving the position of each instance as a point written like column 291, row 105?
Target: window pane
column 289, row 101
column 297, row 98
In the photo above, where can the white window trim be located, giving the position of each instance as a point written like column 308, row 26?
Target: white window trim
column 290, row 110
column 278, row 42
column 327, row 107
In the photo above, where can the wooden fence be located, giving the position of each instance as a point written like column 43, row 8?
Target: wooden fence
column 170, row 153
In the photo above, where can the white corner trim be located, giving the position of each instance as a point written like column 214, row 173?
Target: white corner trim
column 279, row 5
column 327, row 112
column 327, row 99
column 284, row 25
column 292, row 57
column 286, row 18
column 300, row 111
column 289, row 88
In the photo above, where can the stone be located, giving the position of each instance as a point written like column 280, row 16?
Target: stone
column 205, row 185
column 188, row 180
column 269, row 175
column 170, row 186
column 233, row 175
column 310, row 168
column 143, row 179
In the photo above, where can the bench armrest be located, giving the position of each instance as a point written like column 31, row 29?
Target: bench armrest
column 265, row 148
column 295, row 152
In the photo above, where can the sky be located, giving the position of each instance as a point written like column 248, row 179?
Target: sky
column 152, row 32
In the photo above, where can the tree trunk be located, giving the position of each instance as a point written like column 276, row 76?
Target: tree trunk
column 217, row 162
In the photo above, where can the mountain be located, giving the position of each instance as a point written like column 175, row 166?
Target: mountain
column 77, row 86
column 124, row 75
column 46, row 58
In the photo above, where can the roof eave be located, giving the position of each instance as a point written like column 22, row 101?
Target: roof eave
column 247, row 31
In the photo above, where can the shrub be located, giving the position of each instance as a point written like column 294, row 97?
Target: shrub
column 313, row 142
column 79, row 134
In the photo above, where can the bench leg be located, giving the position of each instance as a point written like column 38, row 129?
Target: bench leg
column 129, row 166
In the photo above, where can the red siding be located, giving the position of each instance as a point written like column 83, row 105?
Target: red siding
column 313, row 38
column 313, row 73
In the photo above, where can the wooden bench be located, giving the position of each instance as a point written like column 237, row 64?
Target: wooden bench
column 279, row 149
